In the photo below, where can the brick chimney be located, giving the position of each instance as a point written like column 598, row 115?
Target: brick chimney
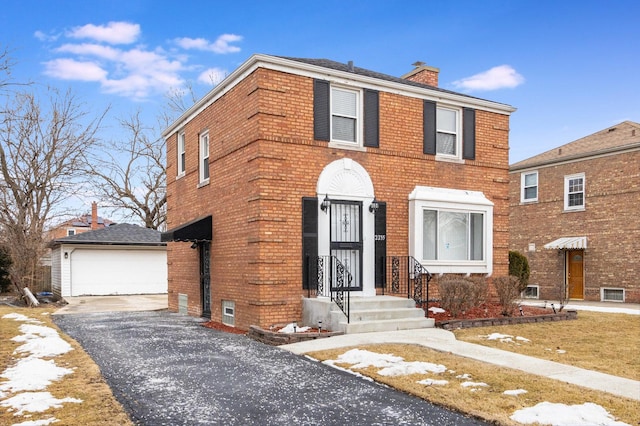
column 94, row 215
column 423, row 73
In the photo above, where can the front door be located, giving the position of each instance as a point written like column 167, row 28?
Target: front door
column 346, row 238
column 205, row 278
column 575, row 274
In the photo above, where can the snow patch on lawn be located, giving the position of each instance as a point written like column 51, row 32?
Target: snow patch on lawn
column 514, row 392
column 566, row 415
column 29, row 374
column 506, row 338
column 433, row 382
column 35, row 402
column 41, row 341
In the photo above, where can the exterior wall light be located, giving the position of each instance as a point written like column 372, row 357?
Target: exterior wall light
column 374, row 206
column 325, row 204
column 66, row 254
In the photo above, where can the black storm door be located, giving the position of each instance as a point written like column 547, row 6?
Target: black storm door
column 205, row 277
column 346, row 238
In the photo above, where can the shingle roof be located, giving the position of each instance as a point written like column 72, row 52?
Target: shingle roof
column 625, row 135
column 120, row 234
column 334, row 65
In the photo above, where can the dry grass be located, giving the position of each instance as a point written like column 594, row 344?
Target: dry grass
column 487, row 403
column 607, row 343
column 86, row 383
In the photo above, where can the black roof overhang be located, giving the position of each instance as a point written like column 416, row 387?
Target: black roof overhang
column 200, row 229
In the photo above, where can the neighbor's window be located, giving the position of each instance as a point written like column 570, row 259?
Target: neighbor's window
column 574, row 192
column 450, row 230
column 448, row 132
column 182, row 143
column 345, row 109
column 204, row 157
column 71, row 232
column 529, row 186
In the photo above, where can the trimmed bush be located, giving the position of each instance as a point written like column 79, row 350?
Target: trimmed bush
column 458, row 294
column 519, row 268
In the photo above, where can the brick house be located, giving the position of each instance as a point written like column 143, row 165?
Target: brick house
column 574, row 213
column 294, row 170
column 78, row 225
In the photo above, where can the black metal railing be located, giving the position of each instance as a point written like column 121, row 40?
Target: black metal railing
column 328, row 277
column 405, row 276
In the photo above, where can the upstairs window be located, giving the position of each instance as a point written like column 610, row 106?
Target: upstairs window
column 447, row 131
column 345, row 115
column 204, row 158
column 574, row 192
column 71, row 232
column 529, row 187
column 181, row 149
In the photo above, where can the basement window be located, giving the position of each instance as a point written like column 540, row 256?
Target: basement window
column 612, row 294
column 228, row 312
column 531, row 292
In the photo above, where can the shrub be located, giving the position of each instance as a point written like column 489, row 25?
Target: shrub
column 519, row 268
column 5, row 263
column 458, row 294
column 508, row 290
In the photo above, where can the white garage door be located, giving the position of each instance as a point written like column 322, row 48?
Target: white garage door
column 105, row 272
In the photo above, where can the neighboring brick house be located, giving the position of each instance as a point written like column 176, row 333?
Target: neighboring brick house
column 289, row 160
column 575, row 214
column 78, row 225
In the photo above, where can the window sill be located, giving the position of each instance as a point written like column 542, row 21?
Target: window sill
column 457, row 268
column 203, row 183
column 581, row 209
column 181, row 175
column 447, row 159
column 346, row 145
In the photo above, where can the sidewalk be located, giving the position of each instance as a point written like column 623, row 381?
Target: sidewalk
column 445, row 341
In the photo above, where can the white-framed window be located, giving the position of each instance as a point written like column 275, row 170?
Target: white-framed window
column 204, row 157
column 345, row 116
column 71, row 232
column 612, row 294
column 574, row 192
column 228, row 312
column 181, row 149
column 448, row 132
column 531, row 292
column 528, row 187
column 450, row 230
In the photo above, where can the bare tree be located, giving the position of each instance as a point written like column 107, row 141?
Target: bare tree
column 43, row 148
column 130, row 173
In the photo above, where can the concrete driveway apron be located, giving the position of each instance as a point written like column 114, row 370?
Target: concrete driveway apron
column 166, row 369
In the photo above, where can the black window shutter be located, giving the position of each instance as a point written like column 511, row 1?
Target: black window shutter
column 321, row 111
column 380, row 231
column 371, row 118
column 309, row 243
column 429, row 127
column 469, row 134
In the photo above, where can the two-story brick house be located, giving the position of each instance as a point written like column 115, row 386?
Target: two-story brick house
column 288, row 160
column 575, row 214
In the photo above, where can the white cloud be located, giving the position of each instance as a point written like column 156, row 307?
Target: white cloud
column 99, row 50
column 70, row 69
column 45, row 37
column 221, row 45
column 212, row 76
column 500, row 77
column 113, row 32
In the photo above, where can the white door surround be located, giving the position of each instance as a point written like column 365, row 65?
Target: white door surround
column 347, row 180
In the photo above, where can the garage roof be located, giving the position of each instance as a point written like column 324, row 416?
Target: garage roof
column 120, row 234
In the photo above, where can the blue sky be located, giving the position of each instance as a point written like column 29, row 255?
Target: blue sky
column 570, row 67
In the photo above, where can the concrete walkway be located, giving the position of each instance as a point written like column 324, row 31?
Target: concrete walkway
column 445, row 341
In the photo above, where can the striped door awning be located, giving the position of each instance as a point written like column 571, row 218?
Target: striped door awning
column 567, row 243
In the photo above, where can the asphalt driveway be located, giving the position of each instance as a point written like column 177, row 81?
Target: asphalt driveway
column 166, row 369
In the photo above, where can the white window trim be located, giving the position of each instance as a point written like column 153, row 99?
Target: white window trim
column 338, row 143
column 523, row 187
column 458, row 156
column 428, row 198
column 567, row 178
column 71, row 232
column 624, row 294
column 537, row 296
column 202, row 156
column 181, row 148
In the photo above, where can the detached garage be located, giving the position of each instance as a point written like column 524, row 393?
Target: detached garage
column 120, row 259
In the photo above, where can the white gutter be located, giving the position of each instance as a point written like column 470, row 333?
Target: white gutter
column 347, row 78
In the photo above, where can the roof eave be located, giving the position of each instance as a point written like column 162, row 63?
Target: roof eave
column 282, row 64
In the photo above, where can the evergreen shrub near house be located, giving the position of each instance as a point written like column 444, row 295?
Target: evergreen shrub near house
column 519, row 268
column 459, row 294
column 5, row 263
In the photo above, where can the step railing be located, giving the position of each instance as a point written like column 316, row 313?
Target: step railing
column 329, row 277
column 405, row 276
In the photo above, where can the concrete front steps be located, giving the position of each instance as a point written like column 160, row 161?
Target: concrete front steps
column 368, row 314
